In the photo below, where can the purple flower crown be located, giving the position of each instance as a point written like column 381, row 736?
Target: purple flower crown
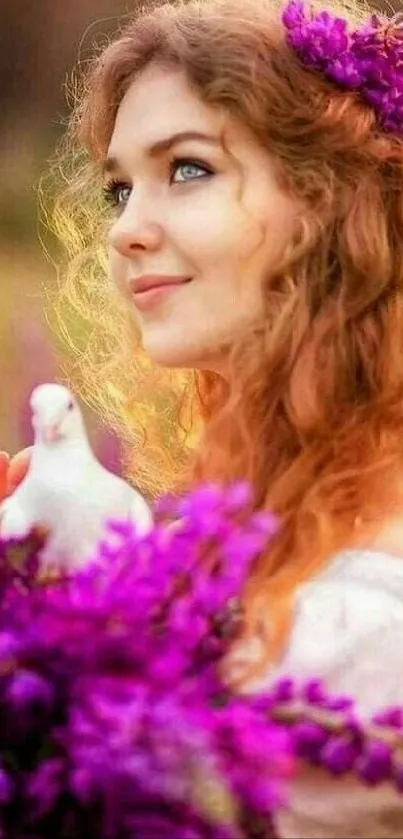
column 368, row 60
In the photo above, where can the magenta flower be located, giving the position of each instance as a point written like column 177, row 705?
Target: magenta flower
column 116, row 723
column 368, row 60
column 116, row 720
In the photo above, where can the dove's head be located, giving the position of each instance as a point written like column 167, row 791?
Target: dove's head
column 56, row 414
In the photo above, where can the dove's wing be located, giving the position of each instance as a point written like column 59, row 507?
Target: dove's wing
column 118, row 499
column 78, row 506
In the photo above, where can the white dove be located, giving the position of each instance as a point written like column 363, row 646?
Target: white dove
column 66, row 490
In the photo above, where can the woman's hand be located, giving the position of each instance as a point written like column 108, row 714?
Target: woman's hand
column 13, row 470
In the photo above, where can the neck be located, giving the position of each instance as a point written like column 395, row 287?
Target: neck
column 64, row 448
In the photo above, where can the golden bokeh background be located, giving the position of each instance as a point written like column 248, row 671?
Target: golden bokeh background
column 40, row 43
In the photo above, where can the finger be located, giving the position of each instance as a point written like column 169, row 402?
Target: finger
column 18, row 468
column 4, row 464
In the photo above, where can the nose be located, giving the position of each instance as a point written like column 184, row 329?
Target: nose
column 135, row 231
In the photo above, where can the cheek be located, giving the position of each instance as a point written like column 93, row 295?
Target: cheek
column 235, row 231
column 270, row 213
column 275, row 221
column 219, row 232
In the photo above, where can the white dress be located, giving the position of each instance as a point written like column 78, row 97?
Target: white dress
column 348, row 629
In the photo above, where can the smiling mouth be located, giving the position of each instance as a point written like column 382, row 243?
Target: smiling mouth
column 151, row 281
column 149, row 293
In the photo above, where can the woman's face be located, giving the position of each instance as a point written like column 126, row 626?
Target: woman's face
column 200, row 220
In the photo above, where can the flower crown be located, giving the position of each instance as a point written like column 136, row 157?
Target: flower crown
column 368, row 60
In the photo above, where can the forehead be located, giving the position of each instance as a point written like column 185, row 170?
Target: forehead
column 158, row 103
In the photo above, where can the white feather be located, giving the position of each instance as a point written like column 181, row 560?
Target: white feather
column 66, row 489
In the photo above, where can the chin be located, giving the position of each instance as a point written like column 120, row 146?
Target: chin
column 171, row 358
column 181, row 355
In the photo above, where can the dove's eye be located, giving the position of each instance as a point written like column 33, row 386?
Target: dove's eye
column 70, row 406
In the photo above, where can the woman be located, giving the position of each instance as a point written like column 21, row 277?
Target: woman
column 254, row 185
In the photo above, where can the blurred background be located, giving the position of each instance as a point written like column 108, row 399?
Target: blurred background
column 39, row 45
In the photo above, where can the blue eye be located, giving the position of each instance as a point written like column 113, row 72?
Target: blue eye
column 117, row 193
column 188, row 170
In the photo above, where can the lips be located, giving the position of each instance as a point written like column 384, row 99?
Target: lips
column 145, row 283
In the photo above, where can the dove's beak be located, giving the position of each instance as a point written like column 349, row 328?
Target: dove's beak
column 51, row 433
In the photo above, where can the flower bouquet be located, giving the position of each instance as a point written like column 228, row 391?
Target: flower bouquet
column 116, row 722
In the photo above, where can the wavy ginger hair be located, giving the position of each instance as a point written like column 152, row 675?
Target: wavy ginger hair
column 312, row 413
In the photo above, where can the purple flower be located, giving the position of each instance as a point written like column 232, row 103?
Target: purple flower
column 391, row 717
column 309, row 739
column 160, row 820
column 44, row 787
column 338, row 703
column 26, row 690
column 339, row 754
column 111, row 692
column 374, row 764
column 116, row 720
column 6, row 788
column 346, row 72
column 283, row 690
column 368, row 60
column 314, row 692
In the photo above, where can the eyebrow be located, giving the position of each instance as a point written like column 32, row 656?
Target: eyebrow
column 111, row 164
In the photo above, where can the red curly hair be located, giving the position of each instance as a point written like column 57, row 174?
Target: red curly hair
column 312, row 413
